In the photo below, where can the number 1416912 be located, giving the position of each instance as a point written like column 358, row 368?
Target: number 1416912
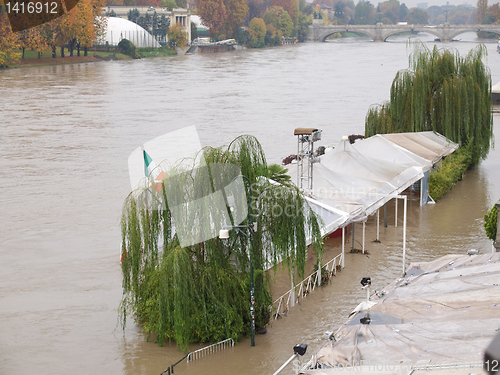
column 37, row 7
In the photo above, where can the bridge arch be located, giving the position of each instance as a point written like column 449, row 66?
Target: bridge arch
column 380, row 33
column 325, row 36
column 424, row 30
column 458, row 32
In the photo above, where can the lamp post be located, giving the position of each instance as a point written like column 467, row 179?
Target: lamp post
column 224, row 234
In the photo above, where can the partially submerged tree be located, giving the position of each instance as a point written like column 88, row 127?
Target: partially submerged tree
column 200, row 292
column 442, row 92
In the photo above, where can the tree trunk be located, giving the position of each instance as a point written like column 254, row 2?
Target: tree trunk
column 23, row 54
column 54, row 55
column 85, row 50
column 62, row 51
column 78, row 49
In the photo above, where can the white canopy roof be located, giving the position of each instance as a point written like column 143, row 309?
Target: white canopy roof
column 441, row 313
column 354, row 181
column 119, row 28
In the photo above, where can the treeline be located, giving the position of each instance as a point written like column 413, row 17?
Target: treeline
column 77, row 30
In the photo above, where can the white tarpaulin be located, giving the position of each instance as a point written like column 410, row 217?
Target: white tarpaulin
column 440, row 313
column 354, row 181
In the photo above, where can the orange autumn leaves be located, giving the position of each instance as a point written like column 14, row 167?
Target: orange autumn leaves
column 81, row 24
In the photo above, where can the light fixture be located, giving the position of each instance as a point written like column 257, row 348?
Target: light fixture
column 299, row 349
column 366, row 281
column 224, row 234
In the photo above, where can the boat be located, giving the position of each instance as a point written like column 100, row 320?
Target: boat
column 204, row 45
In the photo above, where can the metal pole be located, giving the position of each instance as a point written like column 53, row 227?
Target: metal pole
column 385, row 215
column 396, row 214
column 343, row 245
column 404, row 234
column 285, row 364
column 364, row 226
column 352, row 249
column 252, row 290
column 378, row 225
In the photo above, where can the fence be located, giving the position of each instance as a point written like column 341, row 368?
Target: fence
column 191, row 356
column 221, row 345
column 306, row 286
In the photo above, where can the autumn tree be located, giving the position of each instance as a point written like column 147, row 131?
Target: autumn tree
column 8, row 42
column 257, row 30
column 236, row 11
column 177, row 37
column 213, row 14
column 280, row 19
column 364, row 13
column 418, row 16
column 32, row 39
column 481, row 11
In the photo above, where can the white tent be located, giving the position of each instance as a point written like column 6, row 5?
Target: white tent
column 441, row 314
column 119, row 28
column 354, row 181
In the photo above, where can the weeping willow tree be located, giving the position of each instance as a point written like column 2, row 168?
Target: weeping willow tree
column 442, row 92
column 200, row 292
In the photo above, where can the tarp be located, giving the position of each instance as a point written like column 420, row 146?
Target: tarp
column 354, row 181
column 119, row 28
column 441, row 312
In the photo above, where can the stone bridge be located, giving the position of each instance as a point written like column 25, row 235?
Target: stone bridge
column 380, row 32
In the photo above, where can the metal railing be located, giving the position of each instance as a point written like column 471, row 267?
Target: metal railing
column 191, row 356
column 282, row 304
column 221, row 345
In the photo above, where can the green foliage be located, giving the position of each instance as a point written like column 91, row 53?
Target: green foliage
column 201, row 293
column 127, row 48
column 133, row 15
column 169, row 4
column 450, row 170
column 442, row 92
column 280, row 19
column 303, row 28
column 257, row 30
column 491, row 223
column 177, row 37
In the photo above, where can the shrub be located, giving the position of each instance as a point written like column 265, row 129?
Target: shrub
column 451, row 170
column 491, row 223
column 128, row 48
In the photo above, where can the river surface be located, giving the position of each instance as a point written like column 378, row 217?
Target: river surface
column 66, row 133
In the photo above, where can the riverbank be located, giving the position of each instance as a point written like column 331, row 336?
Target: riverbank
column 31, row 57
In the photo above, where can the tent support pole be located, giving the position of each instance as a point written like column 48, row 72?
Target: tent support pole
column 353, row 226
column 396, row 214
column 378, row 225
column 404, row 233
column 364, row 227
column 385, row 215
column 343, row 246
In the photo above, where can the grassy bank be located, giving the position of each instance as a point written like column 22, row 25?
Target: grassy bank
column 31, row 57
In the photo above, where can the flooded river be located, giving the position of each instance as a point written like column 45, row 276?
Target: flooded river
column 66, row 133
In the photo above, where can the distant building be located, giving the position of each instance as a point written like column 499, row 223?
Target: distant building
column 178, row 16
column 422, row 5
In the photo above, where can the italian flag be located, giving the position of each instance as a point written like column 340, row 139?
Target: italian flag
column 151, row 170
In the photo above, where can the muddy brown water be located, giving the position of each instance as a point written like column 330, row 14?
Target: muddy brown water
column 65, row 136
